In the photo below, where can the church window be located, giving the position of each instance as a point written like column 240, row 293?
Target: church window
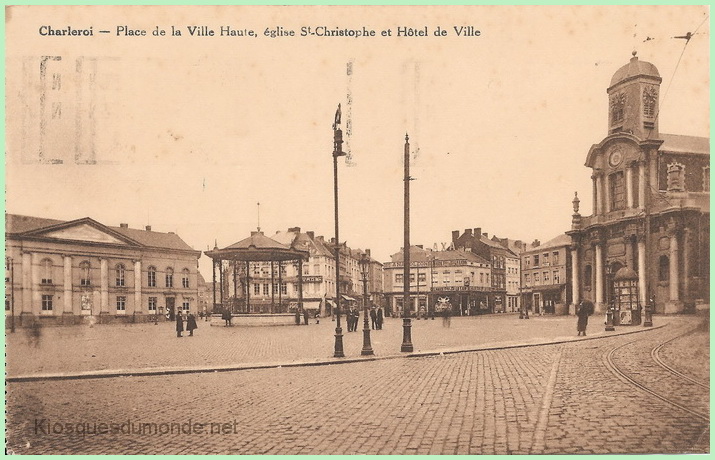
column 676, row 177
column 649, row 101
column 617, row 106
column 618, row 193
column 663, row 269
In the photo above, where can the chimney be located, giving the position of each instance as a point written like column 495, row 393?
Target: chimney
column 123, row 225
column 148, row 228
column 172, row 233
column 477, row 231
column 367, row 251
column 468, row 231
column 294, row 229
column 321, row 238
column 535, row 244
column 486, row 234
column 419, row 246
column 311, row 235
column 455, row 235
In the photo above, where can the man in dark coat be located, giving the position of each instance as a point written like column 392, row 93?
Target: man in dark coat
column 191, row 324
column 380, row 318
column 585, row 308
column 179, row 324
column 373, row 318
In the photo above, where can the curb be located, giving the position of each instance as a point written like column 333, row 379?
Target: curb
column 115, row 373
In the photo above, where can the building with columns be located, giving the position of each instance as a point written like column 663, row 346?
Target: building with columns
column 651, row 204
column 62, row 272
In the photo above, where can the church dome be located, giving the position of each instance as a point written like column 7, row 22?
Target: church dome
column 633, row 69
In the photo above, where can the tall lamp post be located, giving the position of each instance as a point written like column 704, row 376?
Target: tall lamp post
column 406, row 320
column 366, row 346
column 337, row 152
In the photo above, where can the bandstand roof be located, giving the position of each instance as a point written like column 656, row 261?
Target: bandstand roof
column 258, row 248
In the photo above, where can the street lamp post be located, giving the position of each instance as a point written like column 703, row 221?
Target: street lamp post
column 366, row 346
column 337, row 152
column 406, row 321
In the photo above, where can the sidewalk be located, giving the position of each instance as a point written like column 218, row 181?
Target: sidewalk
column 145, row 349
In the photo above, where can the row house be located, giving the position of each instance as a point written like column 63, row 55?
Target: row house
column 455, row 279
column 545, row 276
column 494, row 251
column 68, row 272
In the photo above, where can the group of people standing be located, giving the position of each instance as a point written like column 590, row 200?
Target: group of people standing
column 353, row 318
column 190, row 324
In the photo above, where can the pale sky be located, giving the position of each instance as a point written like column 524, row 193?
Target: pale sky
column 191, row 132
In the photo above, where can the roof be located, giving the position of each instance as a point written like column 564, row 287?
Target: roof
column 19, row 224
column 634, row 68
column 314, row 245
column 259, row 241
column 154, row 239
column 677, row 143
column 418, row 254
column 559, row 241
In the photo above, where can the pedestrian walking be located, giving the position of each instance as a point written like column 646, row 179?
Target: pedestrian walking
column 447, row 318
column 191, row 324
column 179, row 324
column 226, row 317
column 585, row 308
column 373, row 318
column 380, row 317
column 317, row 318
column 305, row 316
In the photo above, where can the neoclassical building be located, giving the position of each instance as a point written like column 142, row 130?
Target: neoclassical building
column 62, row 272
column 651, row 204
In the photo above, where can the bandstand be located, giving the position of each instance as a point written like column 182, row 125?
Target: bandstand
column 243, row 265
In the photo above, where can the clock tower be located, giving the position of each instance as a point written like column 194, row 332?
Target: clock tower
column 633, row 100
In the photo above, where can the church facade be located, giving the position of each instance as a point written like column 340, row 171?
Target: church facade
column 651, row 206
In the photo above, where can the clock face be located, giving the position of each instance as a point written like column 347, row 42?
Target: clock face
column 616, row 157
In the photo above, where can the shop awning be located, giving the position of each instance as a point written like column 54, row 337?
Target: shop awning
column 348, row 298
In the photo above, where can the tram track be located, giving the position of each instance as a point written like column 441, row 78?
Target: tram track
column 683, row 381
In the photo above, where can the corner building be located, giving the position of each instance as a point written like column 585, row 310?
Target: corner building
column 651, row 205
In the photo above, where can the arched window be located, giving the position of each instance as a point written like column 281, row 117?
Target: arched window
column 185, row 278
column 169, row 277
column 46, row 267
column 587, row 275
column 84, row 276
column 120, row 275
column 151, row 277
column 663, row 269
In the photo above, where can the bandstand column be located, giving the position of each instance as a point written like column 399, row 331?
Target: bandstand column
column 221, row 281
column 213, row 266
column 248, row 287
column 273, row 288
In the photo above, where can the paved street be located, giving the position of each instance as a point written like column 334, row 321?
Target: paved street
column 105, row 347
column 561, row 398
